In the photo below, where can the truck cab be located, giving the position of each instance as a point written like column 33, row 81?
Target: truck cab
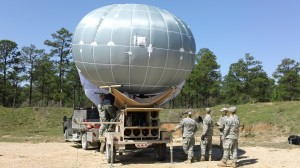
column 87, row 135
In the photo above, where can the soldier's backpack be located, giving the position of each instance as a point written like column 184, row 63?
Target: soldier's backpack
column 294, row 139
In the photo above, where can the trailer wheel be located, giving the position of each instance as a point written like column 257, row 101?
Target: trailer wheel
column 108, row 154
column 161, row 152
column 84, row 142
column 66, row 135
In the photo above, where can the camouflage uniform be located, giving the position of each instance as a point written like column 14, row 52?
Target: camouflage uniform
column 189, row 127
column 206, row 138
column 235, row 149
column 107, row 112
column 221, row 125
column 230, row 137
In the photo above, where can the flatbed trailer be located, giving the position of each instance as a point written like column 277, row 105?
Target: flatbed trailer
column 137, row 126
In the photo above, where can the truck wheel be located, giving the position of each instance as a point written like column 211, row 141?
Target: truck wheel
column 66, row 135
column 108, row 154
column 84, row 142
column 161, row 152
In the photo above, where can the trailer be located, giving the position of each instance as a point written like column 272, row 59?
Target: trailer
column 137, row 127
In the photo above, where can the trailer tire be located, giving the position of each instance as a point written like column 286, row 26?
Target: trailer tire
column 108, row 154
column 161, row 152
column 84, row 142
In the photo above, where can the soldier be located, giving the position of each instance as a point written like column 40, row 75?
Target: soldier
column 189, row 127
column 235, row 149
column 230, row 139
column 221, row 125
column 206, row 137
column 234, row 113
column 107, row 112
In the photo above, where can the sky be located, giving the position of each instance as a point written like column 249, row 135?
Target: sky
column 267, row 29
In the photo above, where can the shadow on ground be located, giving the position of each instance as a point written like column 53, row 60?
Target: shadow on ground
column 178, row 156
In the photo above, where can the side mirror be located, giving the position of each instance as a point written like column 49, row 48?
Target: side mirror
column 65, row 118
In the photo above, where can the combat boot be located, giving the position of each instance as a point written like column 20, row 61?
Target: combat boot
column 102, row 144
column 202, row 158
column 233, row 164
column 189, row 161
column 222, row 163
column 209, row 158
column 193, row 159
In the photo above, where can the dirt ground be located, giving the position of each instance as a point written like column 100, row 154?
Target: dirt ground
column 68, row 154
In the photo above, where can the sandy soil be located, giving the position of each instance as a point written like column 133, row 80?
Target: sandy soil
column 68, row 154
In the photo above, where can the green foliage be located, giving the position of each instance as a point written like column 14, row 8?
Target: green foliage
column 31, row 56
column 246, row 81
column 60, row 51
column 288, row 76
column 8, row 50
column 203, row 85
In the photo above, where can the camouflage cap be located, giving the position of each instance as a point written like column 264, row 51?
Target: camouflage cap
column 207, row 109
column 223, row 109
column 188, row 111
column 232, row 109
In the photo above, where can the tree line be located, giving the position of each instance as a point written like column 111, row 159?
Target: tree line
column 35, row 77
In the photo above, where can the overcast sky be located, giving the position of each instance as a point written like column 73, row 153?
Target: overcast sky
column 267, row 29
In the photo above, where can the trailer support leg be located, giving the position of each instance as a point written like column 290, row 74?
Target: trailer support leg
column 111, row 151
column 171, row 147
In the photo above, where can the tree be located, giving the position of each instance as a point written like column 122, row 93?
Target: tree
column 7, row 50
column 15, row 77
column 246, row 81
column 205, row 79
column 288, row 79
column 31, row 54
column 73, row 84
column 60, row 50
column 45, row 79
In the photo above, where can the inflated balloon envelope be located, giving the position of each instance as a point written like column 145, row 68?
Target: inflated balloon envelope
column 143, row 48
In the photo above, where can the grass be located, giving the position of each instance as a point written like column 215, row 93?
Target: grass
column 45, row 124
column 32, row 124
column 284, row 115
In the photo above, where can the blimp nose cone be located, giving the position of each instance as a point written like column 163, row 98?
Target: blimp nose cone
column 143, row 48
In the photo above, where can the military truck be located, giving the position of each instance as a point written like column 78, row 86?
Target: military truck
column 87, row 135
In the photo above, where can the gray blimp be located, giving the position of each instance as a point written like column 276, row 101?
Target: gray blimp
column 142, row 48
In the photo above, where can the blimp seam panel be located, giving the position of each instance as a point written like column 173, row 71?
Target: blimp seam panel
column 110, row 53
column 86, row 17
column 183, row 25
column 130, row 44
column 140, row 19
column 139, row 7
column 157, row 21
column 150, row 41
column 93, row 34
column 168, row 47
column 179, row 31
column 94, row 38
column 175, row 76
